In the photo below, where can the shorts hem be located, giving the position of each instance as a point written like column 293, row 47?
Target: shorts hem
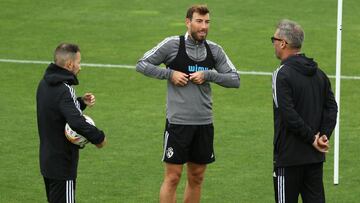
column 192, row 161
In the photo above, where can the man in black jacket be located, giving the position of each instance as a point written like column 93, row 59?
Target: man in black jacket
column 57, row 105
column 304, row 117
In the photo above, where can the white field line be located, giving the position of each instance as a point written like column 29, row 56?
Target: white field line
column 133, row 67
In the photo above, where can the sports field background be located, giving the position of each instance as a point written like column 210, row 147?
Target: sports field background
column 130, row 107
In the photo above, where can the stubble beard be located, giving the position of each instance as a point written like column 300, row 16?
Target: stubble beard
column 196, row 38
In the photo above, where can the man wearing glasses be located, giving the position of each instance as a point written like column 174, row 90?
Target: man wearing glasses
column 304, row 117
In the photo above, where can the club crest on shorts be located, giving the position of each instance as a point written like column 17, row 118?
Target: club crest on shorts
column 169, row 152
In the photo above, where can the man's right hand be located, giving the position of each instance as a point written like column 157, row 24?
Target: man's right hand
column 103, row 143
column 179, row 78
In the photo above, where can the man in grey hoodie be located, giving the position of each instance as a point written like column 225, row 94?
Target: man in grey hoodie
column 192, row 62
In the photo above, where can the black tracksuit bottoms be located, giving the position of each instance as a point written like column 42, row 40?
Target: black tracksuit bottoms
column 60, row 191
column 306, row 180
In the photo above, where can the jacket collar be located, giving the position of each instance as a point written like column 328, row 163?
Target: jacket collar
column 55, row 74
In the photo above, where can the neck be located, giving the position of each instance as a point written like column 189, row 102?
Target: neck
column 194, row 40
column 290, row 52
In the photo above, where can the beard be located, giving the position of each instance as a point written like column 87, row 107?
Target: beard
column 197, row 37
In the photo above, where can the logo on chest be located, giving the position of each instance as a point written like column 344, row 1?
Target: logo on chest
column 192, row 69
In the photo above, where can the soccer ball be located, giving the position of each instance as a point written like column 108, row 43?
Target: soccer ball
column 76, row 138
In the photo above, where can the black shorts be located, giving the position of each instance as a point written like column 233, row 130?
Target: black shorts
column 60, row 191
column 306, row 180
column 188, row 143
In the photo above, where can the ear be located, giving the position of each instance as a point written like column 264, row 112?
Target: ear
column 283, row 44
column 187, row 22
column 69, row 65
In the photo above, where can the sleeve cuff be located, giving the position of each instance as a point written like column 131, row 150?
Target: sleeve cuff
column 169, row 74
column 82, row 103
column 100, row 138
column 207, row 75
column 311, row 136
column 326, row 132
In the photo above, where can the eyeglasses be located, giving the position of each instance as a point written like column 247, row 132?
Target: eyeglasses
column 273, row 39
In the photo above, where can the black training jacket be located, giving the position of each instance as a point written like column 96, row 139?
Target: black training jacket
column 57, row 105
column 304, row 104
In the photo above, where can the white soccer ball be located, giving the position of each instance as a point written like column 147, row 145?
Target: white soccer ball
column 76, row 138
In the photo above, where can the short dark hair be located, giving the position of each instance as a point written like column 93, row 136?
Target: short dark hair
column 64, row 52
column 202, row 9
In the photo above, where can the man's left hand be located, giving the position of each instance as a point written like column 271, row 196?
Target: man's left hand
column 197, row 77
column 323, row 141
column 89, row 99
column 322, row 145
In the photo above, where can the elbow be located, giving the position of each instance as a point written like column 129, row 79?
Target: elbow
column 232, row 85
column 237, row 84
column 237, row 81
column 138, row 68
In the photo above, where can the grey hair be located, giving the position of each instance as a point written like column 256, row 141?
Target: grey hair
column 65, row 52
column 292, row 32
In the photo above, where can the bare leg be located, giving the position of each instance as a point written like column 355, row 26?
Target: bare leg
column 171, row 180
column 195, row 177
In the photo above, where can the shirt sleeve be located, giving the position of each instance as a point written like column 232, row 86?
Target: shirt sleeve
column 164, row 52
column 226, row 74
column 330, row 111
column 70, row 109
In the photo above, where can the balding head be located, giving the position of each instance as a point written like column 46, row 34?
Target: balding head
column 65, row 52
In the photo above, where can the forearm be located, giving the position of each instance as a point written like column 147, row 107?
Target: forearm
column 90, row 132
column 153, row 71
column 329, row 115
column 82, row 103
column 231, row 79
column 297, row 125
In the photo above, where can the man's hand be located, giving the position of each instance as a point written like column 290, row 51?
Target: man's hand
column 197, row 77
column 89, row 99
column 323, row 141
column 103, row 143
column 320, row 144
column 179, row 78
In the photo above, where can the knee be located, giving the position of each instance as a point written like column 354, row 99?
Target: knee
column 195, row 178
column 173, row 179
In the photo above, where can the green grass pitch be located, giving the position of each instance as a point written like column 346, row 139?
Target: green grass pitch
column 131, row 107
